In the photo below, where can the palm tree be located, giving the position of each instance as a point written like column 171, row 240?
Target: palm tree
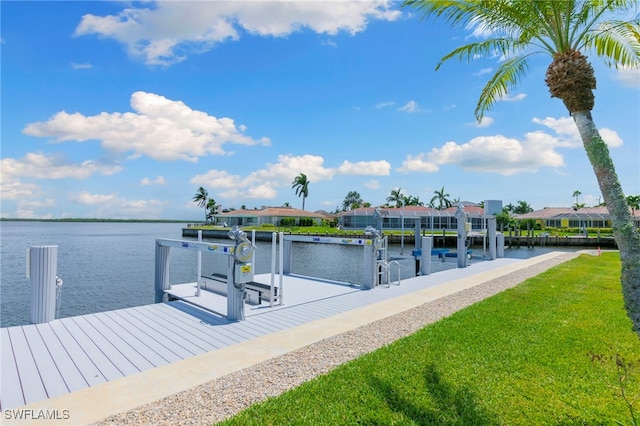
column 563, row 30
column 576, row 194
column 413, row 201
column 301, row 185
column 442, row 199
column 522, row 208
column 201, row 198
column 396, row 197
column 211, row 209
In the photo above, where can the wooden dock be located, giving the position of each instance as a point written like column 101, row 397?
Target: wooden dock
column 44, row 361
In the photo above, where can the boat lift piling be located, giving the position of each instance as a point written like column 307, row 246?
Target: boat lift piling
column 42, row 270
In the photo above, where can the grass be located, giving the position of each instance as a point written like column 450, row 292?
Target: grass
column 541, row 353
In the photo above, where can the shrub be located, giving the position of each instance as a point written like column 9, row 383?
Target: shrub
column 287, row 221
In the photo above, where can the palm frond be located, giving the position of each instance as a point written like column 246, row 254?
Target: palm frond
column 507, row 76
column 503, row 46
column 617, row 43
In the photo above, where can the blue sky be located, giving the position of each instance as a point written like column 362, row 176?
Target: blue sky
column 123, row 109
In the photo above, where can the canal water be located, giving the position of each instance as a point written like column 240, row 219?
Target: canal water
column 106, row 266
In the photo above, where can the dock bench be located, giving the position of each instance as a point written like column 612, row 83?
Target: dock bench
column 218, row 284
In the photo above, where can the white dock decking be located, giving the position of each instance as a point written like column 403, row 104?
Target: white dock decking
column 43, row 361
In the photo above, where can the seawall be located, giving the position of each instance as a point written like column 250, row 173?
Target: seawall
column 439, row 240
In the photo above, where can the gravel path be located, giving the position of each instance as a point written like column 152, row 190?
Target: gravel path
column 226, row 396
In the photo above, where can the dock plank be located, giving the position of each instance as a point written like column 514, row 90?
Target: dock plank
column 32, row 386
column 215, row 326
column 90, row 372
column 206, row 324
column 70, row 371
column 161, row 354
column 10, row 385
column 131, row 349
column 156, row 332
column 50, row 375
column 189, row 322
column 107, row 368
column 176, row 330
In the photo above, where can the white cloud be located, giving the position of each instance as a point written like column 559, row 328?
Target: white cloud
column 14, row 189
column 418, row 163
column 368, row 168
column 482, row 72
column 569, row 135
column 512, row 98
column 381, row 105
column 265, row 183
column 88, row 198
column 372, row 184
column 628, row 77
column 484, row 122
column 507, row 156
column 84, row 66
column 112, row 206
column 491, row 154
column 160, row 128
column 159, row 180
column 42, row 166
column 611, row 138
column 410, row 107
column 168, row 31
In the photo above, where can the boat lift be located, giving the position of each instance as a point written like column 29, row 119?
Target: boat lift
column 239, row 267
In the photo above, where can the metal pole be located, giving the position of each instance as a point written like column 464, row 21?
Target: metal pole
column 491, row 229
column 402, row 238
column 274, row 237
column 199, row 269
column 281, row 295
column 425, row 264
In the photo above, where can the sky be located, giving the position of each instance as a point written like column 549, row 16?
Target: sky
column 124, row 109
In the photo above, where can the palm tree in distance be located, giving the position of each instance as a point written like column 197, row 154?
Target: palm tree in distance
column 442, row 200
column 522, row 207
column 211, row 209
column 396, row 197
column 517, row 29
column 301, row 185
column 201, row 198
column 576, row 194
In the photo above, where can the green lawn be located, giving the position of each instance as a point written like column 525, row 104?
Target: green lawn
column 541, row 353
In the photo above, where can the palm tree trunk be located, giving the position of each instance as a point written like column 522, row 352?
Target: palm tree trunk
column 624, row 230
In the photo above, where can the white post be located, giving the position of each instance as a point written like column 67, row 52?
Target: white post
column 500, row 243
column 162, row 271
column 253, row 243
column 287, row 257
column 492, row 237
column 273, row 264
column 369, row 270
column 402, row 237
column 199, row 268
column 461, row 217
column 43, row 268
column 281, row 295
column 425, row 262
